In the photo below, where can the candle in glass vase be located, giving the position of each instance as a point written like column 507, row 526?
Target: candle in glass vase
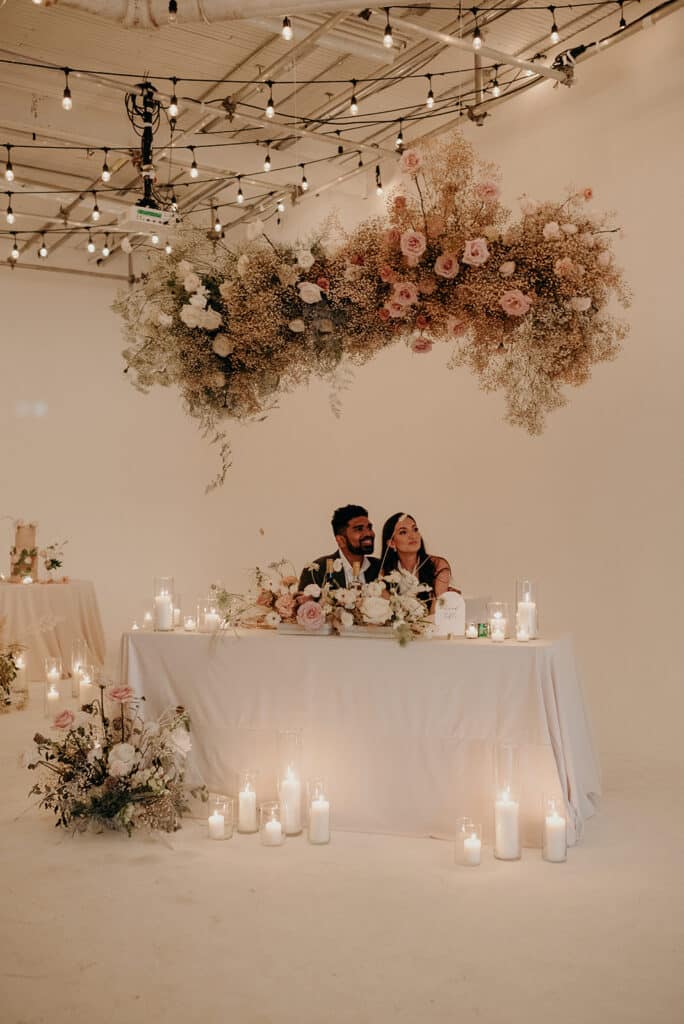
column 554, row 838
column 211, row 621
column 319, row 820
column 53, row 675
column 176, row 616
column 521, row 635
column 247, row 815
column 506, row 828
column 526, row 607
column 272, row 834
column 217, row 825
column 472, row 850
column 189, row 624
column 86, row 688
column 163, row 612
column 291, row 803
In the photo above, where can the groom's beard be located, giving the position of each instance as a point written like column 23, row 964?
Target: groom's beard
column 364, row 548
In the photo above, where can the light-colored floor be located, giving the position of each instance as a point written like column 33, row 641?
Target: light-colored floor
column 367, row 930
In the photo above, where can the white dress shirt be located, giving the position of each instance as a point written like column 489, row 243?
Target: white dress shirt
column 349, row 571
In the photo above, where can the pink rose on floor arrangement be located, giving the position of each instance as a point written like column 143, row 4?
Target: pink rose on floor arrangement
column 250, row 325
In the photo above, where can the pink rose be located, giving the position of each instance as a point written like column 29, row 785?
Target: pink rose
column 413, row 243
column 487, row 190
column 400, row 202
column 446, row 265
column 588, row 193
column 422, row 321
column 64, row 720
column 395, row 309
column 563, row 267
column 410, row 161
column 384, row 313
column 435, row 225
column 392, row 237
column 121, row 694
column 457, row 325
column 265, row 599
column 421, row 345
column 387, row 274
column 405, row 293
column 507, row 269
column 285, row 605
column 323, row 283
column 310, row 616
column 515, row 303
column 476, row 252
column 357, row 260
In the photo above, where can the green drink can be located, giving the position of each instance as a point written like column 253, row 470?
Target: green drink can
column 483, row 629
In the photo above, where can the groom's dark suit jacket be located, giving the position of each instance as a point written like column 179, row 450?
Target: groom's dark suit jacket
column 338, row 578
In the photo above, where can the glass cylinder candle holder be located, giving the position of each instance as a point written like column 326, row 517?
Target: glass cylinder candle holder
column 526, row 617
column 53, row 698
column 87, row 688
column 290, row 780
column 471, row 631
column 554, row 838
column 177, row 610
column 270, row 827
column 468, row 851
column 208, row 615
column 148, row 620
column 163, row 603
column 498, row 620
column 247, row 805
column 319, row 812
column 507, row 803
column 220, row 820
column 20, row 681
column 79, row 657
column 189, row 623
column 53, row 670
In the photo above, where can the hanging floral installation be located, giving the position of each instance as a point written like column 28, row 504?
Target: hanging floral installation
column 523, row 302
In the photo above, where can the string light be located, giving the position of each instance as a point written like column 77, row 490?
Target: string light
column 270, row 108
column 9, row 170
column 10, row 212
column 174, row 203
column 555, row 35
column 15, row 249
column 430, row 100
column 154, row 238
column 66, row 95
column 96, row 209
column 360, row 163
column 399, row 141
column 496, row 90
column 387, row 40
column 218, row 227
column 173, row 105
column 43, row 251
column 194, row 169
column 173, row 11
column 623, row 23
column 304, row 184
column 477, row 36
column 240, row 194
column 106, row 173
column 105, row 248
column 91, row 245
column 354, row 104
column 378, row 182
column 168, row 248
column 286, row 31
column 267, row 158
column 281, row 206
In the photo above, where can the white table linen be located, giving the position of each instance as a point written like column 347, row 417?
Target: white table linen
column 48, row 617
column 405, row 736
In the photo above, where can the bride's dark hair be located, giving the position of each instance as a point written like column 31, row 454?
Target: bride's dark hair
column 389, row 559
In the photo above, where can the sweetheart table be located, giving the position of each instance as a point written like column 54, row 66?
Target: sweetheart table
column 405, row 737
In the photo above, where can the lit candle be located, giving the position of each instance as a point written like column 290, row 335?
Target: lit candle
column 147, row 620
column 472, row 850
column 211, row 621
column 272, row 834
column 189, row 624
column 497, row 627
column 247, row 816
column 53, row 693
column 521, row 635
column 217, row 825
column 27, row 579
column 506, row 828
column 53, row 675
column 527, row 615
column 163, row 611
column 319, row 821
column 498, row 634
column 176, row 616
column 86, row 690
column 554, row 838
column 471, row 631
column 135, row 626
column 291, row 803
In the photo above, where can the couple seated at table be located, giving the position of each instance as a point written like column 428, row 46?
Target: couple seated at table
column 353, row 562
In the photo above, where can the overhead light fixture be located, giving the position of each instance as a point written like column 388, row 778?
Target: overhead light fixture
column 304, row 184
column 66, row 95
column 9, row 216
column 9, row 170
column 173, row 105
column 623, row 23
column 281, row 206
column 387, row 40
column 240, row 195
column 267, row 158
column 43, row 251
column 105, row 248
column 555, row 35
column 354, row 103
column 218, row 227
column 15, row 249
column 154, row 239
column 286, row 30
column 173, row 11
column 168, row 248
column 91, row 245
column 430, row 99
column 399, row 141
column 194, row 169
column 96, row 209
column 270, row 107
column 106, row 173
column 477, row 39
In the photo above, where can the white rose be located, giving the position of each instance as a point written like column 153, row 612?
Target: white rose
column 180, row 740
column 580, row 303
column 374, row 589
column 164, row 320
column 312, row 590
column 507, row 269
column 309, row 292
column 551, row 231
column 199, row 299
column 376, row 610
column 528, row 206
column 305, row 258
column 223, row 345
column 211, row 319
column 346, row 619
column 272, row 619
column 191, row 282
column 298, row 326
column 243, row 265
column 192, row 316
column 569, row 229
column 337, row 565
column 121, row 760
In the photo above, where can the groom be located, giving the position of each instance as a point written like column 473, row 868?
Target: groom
column 353, row 560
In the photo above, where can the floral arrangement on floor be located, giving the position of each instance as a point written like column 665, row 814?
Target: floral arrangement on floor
column 118, row 772
column 9, row 670
column 392, row 601
column 523, row 302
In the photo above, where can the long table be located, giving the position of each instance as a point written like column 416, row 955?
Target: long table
column 404, row 736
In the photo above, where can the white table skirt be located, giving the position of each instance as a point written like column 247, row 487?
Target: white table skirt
column 404, row 736
column 48, row 617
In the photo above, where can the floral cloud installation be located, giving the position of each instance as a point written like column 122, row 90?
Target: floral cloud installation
column 524, row 303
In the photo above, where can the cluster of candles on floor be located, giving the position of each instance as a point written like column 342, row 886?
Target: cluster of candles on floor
column 167, row 611
column 83, row 686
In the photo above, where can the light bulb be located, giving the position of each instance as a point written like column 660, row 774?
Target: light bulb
column 96, row 212
column 173, row 11
column 218, row 227
column 477, row 39
column 281, row 206
column 304, row 183
column 387, row 40
column 66, row 98
column 168, row 249
column 399, row 141
column 15, row 251
column 270, row 109
column 154, row 239
column 529, row 72
column 240, row 196
column 554, row 33
column 267, row 162
column 42, row 252
column 496, row 91
column 194, row 169
column 378, row 189
column 9, row 173
column 287, row 29
column 91, row 245
column 430, row 101
column 106, row 173
column 173, row 106
column 105, row 250
column 10, row 215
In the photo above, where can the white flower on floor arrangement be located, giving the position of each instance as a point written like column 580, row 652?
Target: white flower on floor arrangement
column 118, row 772
column 397, row 601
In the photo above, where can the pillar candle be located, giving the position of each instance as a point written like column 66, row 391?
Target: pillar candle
column 247, row 817
column 471, row 631
column 506, row 828
column 554, row 838
column 291, row 804
column 472, row 850
column 319, row 821
column 521, row 635
column 53, row 675
column 498, row 633
column 527, row 617
column 217, row 824
column 272, row 834
column 163, row 612
column 211, row 620
column 147, row 620
column 176, row 616
column 189, row 624
column 86, row 690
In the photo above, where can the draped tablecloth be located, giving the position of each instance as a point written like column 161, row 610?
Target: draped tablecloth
column 404, row 736
column 48, row 617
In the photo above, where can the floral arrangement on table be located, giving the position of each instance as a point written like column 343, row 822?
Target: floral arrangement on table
column 392, row 601
column 523, row 302
column 53, row 555
column 120, row 772
column 22, row 561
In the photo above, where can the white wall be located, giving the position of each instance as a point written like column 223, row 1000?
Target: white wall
column 592, row 508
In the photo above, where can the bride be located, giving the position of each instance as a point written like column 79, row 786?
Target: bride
column 404, row 548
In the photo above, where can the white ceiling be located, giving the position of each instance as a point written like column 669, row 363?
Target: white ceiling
column 209, row 42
